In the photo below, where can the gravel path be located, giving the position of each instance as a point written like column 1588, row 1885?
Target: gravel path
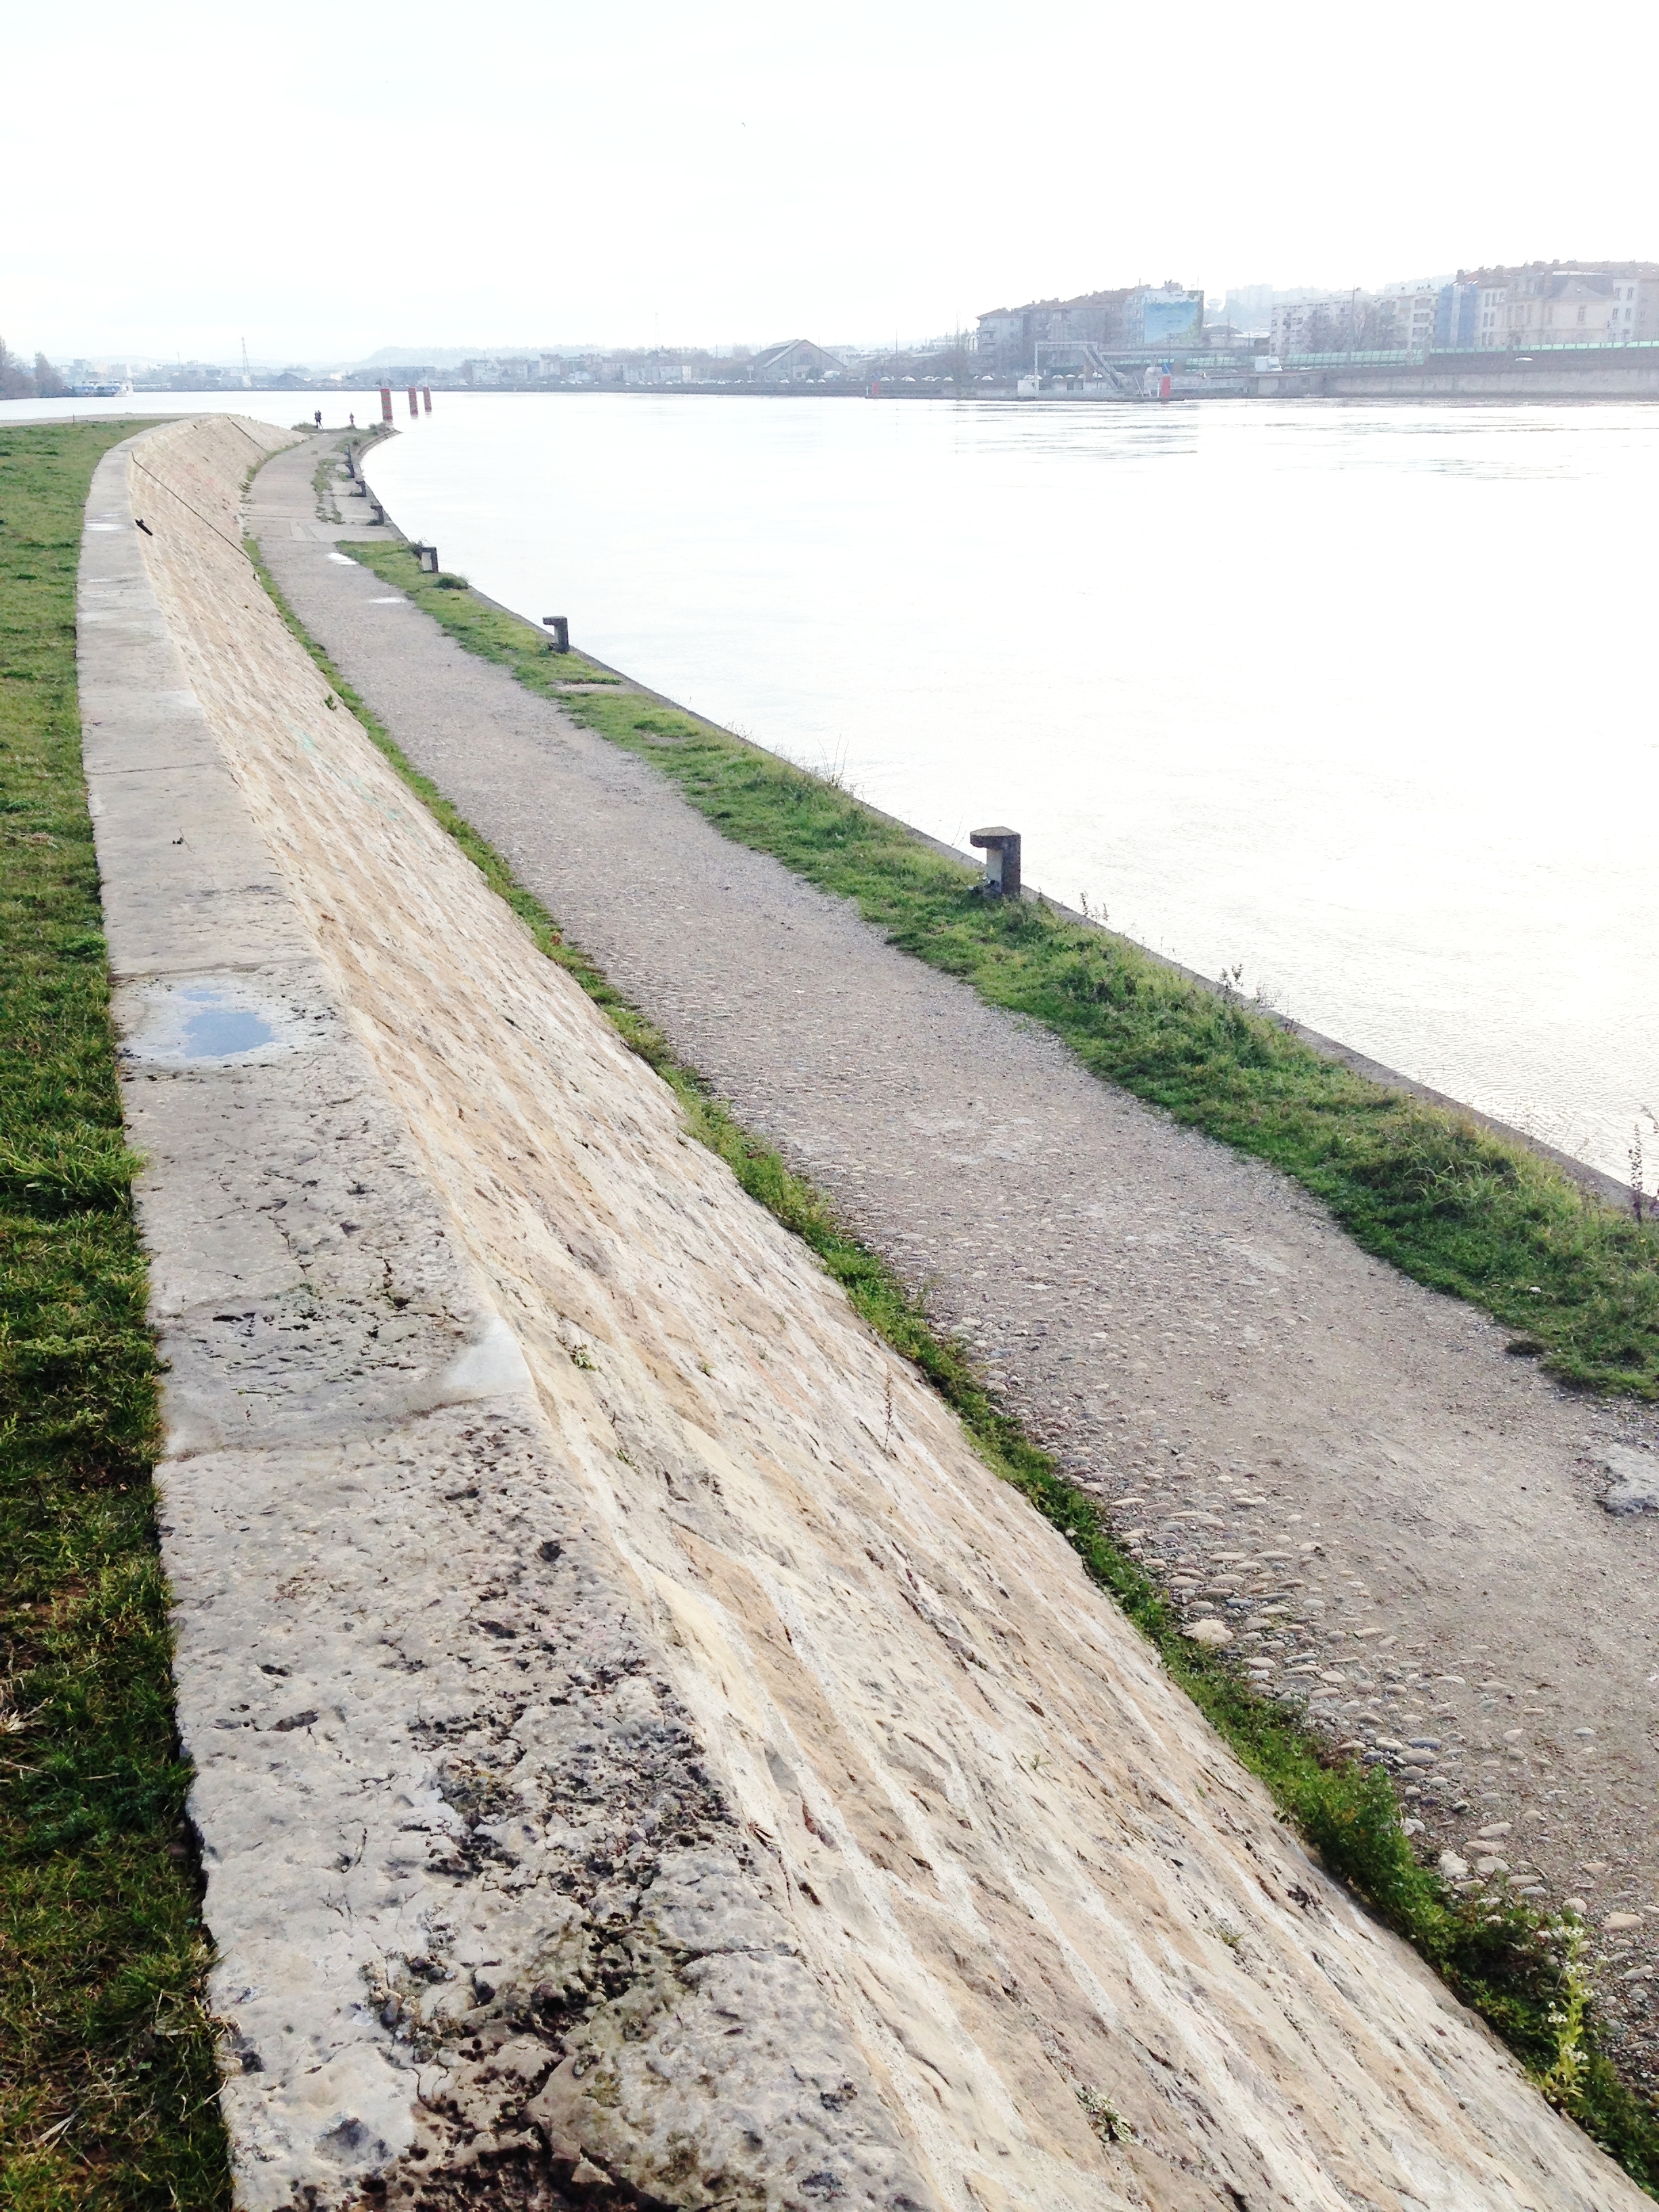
column 1401, row 1526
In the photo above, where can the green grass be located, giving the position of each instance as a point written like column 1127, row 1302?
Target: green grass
column 323, row 484
column 1423, row 1186
column 107, row 2088
column 1518, row 1970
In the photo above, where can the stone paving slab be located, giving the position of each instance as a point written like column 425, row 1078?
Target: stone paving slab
column 1404, row 1524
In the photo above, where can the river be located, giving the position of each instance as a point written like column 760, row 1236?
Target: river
column 1353, row 698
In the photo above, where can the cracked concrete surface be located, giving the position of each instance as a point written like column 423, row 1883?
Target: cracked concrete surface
column 642, row 1756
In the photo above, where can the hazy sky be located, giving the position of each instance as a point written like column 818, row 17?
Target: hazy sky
column 325, row 179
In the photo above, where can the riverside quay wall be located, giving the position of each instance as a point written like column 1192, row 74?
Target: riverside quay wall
column 1540, row 378
column 642, row 1756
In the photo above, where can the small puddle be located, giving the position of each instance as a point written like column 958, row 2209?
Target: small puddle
column 217, row 1029
column 207, row 1023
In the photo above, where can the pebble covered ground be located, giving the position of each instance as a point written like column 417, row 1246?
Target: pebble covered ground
column 1500, row 1766
column 1397, row 1526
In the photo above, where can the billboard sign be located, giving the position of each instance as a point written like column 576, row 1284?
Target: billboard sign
column 1171, row 320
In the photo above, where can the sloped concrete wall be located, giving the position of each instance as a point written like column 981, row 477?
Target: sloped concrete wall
column 643, row 1756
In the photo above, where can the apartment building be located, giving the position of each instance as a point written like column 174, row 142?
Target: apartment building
column 1317, row 322
column 1136, row 319
column 1456, row 316
column 1601, row 303
column 1401, row 318
column 1406, row 318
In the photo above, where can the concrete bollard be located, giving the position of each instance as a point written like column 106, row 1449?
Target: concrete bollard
column 425, row 398
column 414, row 401
column 559, row 626
column 1001, row 850
column 386, row 403
column 376, row 512
column 427, row 555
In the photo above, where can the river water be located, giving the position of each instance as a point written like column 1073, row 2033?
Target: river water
column 1356, row 699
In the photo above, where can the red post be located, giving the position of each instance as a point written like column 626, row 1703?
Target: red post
column 414, row 401
column 386, row 403
column 425, row 398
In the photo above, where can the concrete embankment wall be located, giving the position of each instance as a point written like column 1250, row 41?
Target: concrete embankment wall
column 1543, row 381
column 642, row 1755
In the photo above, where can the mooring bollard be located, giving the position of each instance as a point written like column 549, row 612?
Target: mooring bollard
column 425, row 398
column 559, row 626
column 427, row 557
column 1001, row 850
column 376, row 512
column 414, row 401
column 386, row 403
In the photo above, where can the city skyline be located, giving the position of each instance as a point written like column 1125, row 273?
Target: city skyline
column 312, row 187
column 1401, row 313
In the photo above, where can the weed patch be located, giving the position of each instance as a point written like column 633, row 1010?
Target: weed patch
column 108, row 2093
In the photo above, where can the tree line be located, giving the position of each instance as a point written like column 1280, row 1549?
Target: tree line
column 17, row 382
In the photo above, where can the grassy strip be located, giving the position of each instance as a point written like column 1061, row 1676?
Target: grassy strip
column 108, row 2085
column 1519, row 1970
column 1422, row 1187
column 323, row 484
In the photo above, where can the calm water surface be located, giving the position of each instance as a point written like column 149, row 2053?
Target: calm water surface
column 1356, row 697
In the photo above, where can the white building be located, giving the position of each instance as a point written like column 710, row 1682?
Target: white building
column 1315, row 322
column 1403, row 316
column 1595, row 306
column 1399, row 318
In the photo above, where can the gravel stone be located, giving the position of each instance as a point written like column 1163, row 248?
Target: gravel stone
column 1212, row 1632
column 1635, row 1480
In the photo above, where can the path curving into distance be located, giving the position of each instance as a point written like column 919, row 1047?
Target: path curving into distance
column 1420, row 1516
column 641, row 1755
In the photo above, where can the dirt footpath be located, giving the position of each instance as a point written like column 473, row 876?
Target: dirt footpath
column 1396, row 1523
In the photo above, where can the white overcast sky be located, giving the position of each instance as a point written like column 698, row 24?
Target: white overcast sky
column 325, row 178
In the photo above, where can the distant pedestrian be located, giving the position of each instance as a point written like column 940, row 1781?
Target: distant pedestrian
column 351, row 420
column 319, row 418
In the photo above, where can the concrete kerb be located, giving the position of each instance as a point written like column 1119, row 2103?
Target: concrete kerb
column 236, row 1067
